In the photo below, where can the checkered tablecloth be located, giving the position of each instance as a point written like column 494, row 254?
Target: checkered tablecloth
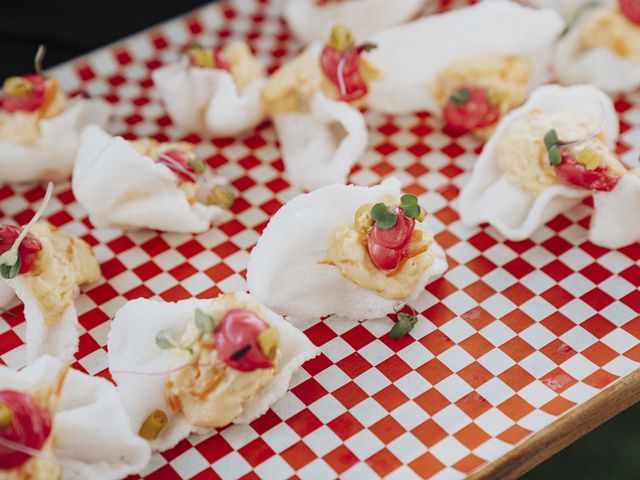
column 515, row 335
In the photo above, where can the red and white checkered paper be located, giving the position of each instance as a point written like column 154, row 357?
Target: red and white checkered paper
column 515, row 335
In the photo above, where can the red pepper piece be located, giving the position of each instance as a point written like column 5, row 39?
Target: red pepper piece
column 342, row 68
column 469, row 109
column 28, row 249
column 572, row 172
column 28, row 101
column 179, row 162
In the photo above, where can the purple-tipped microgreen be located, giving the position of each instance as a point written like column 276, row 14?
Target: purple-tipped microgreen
column 404, row 324
column 553, row 143
column 459, row 97
column 409, row 203
column 10, row 260
column 166, row 338
column 368, row 46
column 37, row 61
column 383, row 216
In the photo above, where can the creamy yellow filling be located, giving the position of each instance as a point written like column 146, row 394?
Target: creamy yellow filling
column 208, row 392
column 24, row 127
column 610, row 29
column 505, row 78
column 348, row 252
column 64, row 263
column 524, row 159
column 245, row 69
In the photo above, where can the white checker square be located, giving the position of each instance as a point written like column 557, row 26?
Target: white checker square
column 453, row 388
column 579, row 367
column 537, row 336
column 492, row 448
column 274, row 468
column 619, row 340
column 537, row 364
column 406, row 447
column 457, row 329
column 497, row 333
column 412, row 384
column 409, row 415
column 537, row 308
column 455, row 358
column 327, row 408
column 577, row 310
column 375, row 352
column 449, row 450
column 496, row 361
column 415, row 354
column 358, row 472
column 314, row 470
column 233, row 465
column 372, row 381
column 322, row 441
column 498, row 305
column 451, row 419
column 494, row 422
column 495, row 391
column 580, row 392
column 578, row 338
column 537, row 394
column 332, row 378
column 621, row 366
column 536, row 420
column 189, row 463
column 368, row 412
column 364, row 444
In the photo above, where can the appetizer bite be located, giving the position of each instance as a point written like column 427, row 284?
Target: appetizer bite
column 473, row 64
column 311, row 20
column 357, row 252
column 147, row 184
column 602, row 46
column 213, row 90
column 543, row 159
column 313, row 101
column 45, row 267
column 196, row 365
column 56, row 423
column 40, row 127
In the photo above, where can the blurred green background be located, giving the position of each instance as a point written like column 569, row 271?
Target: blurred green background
column 611, row 452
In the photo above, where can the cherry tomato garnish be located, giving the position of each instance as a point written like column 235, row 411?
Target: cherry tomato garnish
column 179, row 162
column 469, row 109
column 28, row 249
column 631, row 10
column 24, row 422
column 342, row 68
column 23, row 94
column 237, row 340
column 388, row 247
column 572, row 172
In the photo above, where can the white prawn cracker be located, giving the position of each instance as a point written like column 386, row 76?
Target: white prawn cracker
column 119, row 187
column 576, row 62
column 92, row 435
column 614, row 223
column 490, row 197
column 413, row 54
column 210, row 100
column 288, row 269
column 137, row 364
column 321, row 145
column 52, row 155
column 310, row 21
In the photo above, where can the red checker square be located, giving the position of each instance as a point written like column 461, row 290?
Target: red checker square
column 598, row 326
column 421, row 130
column 632, row 251
column 194, row 26
column 516, row 377
column 86, row 346
column 182, row 271
column 600, row 379
column 240, row 205
column 479, row 291
column 256, row 452
column 518, row 267
column 557, row 296
column 557, row 406
column 559, row 223
column 438, row 314
column 85, row 72
column 219, row 272
column 446, row 239
column 437, row 342
column 60, row 218
column 231, row 227
column 475, row 374
column 387, row 429
column 385, row 149
column 434, row 371
column 155, row 246
column 597, row 299
column 447, row 215
column 520, row 246
column 390, row 397
column 599, row 353
column 190, row 248
column 320, row 333
column 633, row 326
column 476, row 345
column 24, row 217
column 481, row 265
column 309, row 391
column 558, row 380
column 388, row 129
column 631, row 274
column 472, row 436
column 298, row 455
column 431, row 401
column 265, row 422
column 350, row 395
column 9, row 340
column 91, row 319
column 304, row 422
column 175, row 294
column 394, row 368
column 596, row 273
column 453, row 150
column 102, row 293
column 451, row 170
column 482, row 241
column 429, row 433
column 166, row 472
column 478, row 318
column 469, row 463
column 147, row 270
column 225, row 249
column 358, row 337
column 255, row 142
column 558, row 351
column 207, row 474
column 441, row 288
column 517, row 348
column 417, row 170
column 111, row 268
column 557, row 245
column 632, row 300
column 276, row 185
column 340, row 459
column 354, row 365
column 383, row 462
column 514, row 434
column 245, row 183
column 515, row 408
column 557, row 270
column 212, row 292
column 517, row 320
column 473, row 404
column 426, row 465
column 518, row 293
column 345, row 426
column 271, row 207
column 557, row 323
column 141, row 291
column 317, row 364
column 633, row 353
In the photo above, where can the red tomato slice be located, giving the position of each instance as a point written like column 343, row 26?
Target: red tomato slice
column 32, row 102
column 572, row 172
column 397, row 236
column 385, row 258
column 631, row 10
column 475, row 112
column 28, row 249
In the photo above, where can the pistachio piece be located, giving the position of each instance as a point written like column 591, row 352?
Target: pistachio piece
column 153, row 425
column 589, row 157
column 222, row 195
column 341, row 38
column 17, row 87
column 6, row 415
column 202, row 57
column 363, row 221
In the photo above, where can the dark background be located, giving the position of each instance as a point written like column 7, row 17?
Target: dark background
column 70, row 28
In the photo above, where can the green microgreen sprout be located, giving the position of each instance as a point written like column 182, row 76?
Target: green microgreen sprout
column 460, row 96
column 409, row 203
column 10, row 260
column 166, row 338
column 198, row 165
column 383, row 216
column 552, row 143
column 404, row 324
